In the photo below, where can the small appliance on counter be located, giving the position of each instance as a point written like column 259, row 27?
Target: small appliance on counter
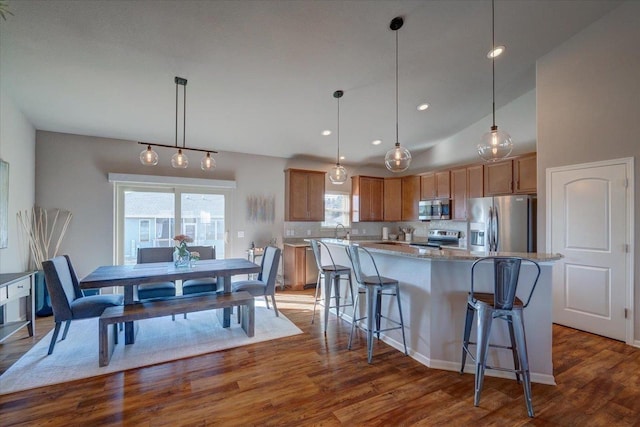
column 437, row 238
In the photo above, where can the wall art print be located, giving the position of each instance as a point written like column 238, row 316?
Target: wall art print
column 4, row 204
column 261, row 208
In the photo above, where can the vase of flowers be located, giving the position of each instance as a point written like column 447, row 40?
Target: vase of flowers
column 193, row 258
column 181, row 255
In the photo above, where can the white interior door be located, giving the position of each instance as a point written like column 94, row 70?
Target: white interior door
column 589, row 225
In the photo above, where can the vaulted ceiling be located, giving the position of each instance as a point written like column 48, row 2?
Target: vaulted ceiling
column 261, row 74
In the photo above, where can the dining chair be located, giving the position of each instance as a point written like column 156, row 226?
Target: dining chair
column 67, row 299
column 502, row 304
column 206, row 284
column 155, row 289
column 265, row 284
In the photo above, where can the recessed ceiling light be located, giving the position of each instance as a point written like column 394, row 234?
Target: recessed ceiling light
column 326, row 132
column 376, row 142
column 423, row 107
column 497, row 51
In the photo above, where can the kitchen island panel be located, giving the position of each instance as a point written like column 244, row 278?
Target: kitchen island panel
column 434, row 294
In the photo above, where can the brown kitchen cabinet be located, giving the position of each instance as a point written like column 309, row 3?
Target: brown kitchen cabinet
column 410, row 197
column 299, row 267
column 525, row 174
column 475, row 181
column 304, row 195
column 515, row 176
column 392, row 199
column 435, row 185
column 459, row 194
column 367, row 198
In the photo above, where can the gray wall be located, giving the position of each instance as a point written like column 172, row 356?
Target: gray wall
column 588, row 105
column 17, row 147
column 72, row 172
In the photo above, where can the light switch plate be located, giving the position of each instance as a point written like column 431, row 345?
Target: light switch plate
column 240, row 234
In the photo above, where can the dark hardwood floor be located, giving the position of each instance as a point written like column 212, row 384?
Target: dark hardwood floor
column 310, row 379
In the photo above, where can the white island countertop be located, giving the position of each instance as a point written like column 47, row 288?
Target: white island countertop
column 395, row 247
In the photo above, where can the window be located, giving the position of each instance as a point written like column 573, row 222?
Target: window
column 336, row 209
column 149, row 216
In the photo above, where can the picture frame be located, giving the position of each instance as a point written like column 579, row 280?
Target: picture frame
column 4, row 204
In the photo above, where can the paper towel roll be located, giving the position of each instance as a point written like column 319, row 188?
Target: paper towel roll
column 385, row 233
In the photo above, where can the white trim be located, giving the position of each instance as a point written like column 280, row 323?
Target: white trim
column 628, row 162
column 170, row 180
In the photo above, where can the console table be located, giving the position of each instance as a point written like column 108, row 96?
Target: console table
column 17, row 286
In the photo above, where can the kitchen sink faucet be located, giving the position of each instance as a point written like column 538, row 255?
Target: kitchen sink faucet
column 343, row 229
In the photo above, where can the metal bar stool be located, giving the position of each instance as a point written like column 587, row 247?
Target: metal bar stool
column 374, row 287
column 503, row 305
column 329, row 273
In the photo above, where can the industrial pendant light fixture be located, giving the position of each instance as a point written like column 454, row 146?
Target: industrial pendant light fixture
column 338, row 174
column 179, row 160
column 398, row 158
column 495, row 144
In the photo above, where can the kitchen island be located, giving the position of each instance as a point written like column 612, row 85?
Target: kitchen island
column 434, row 284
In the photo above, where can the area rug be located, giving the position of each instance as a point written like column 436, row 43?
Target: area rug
column 158, row 340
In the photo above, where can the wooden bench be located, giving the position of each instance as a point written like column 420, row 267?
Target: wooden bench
column 166, row 307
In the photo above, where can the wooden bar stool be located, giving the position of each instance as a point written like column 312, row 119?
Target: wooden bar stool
column 329, row 273
column 502, row 304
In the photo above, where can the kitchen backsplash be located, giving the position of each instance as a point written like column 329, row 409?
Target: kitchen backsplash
column 314, row 229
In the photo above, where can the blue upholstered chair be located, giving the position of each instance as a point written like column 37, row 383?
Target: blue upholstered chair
column 67, row 300
column 156, row 289
column 266, row 282
column 206, row 284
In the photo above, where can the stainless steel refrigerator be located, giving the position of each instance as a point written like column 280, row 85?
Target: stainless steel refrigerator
column 502, row 224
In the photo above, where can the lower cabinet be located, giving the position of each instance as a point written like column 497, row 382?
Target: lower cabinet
column 300, row 267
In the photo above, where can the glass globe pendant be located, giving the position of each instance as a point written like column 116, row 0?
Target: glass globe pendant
column 397, row 159
column 207, row 163
column 179, row 160
column 495, row 145
column 149, row 157
column 338, row 174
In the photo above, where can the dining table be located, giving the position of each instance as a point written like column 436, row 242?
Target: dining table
column 131, row 275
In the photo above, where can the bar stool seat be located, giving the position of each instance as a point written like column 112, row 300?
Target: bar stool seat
column 374, row 287
column 501, row 305
column 328, row 274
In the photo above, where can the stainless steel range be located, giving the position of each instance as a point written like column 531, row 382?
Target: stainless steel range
column 437, row 238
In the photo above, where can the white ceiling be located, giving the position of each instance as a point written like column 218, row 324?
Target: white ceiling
column 261, row 74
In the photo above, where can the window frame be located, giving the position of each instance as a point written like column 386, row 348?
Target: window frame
column 345, row 194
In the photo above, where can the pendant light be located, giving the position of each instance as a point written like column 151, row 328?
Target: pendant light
column 398, row 158
column 179, row 160
column 338, row 174
column 495, row 144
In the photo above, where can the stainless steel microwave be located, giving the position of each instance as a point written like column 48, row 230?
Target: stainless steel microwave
column 434, row 209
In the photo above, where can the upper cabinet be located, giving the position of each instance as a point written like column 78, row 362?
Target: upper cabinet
column 304, row 195
column 367, row 198
column 392, row 199
column 459, row 194
column 525, row 174
column 410, row 197
column 516, row 176
column 475, row 181
column 435, row 185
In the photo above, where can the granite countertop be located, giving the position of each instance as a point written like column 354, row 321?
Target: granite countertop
column 405, row 249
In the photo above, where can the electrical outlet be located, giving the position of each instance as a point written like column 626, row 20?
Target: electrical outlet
column 364, row 232
column 308, row 232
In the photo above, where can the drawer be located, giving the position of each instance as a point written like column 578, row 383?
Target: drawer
column 17, row 290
